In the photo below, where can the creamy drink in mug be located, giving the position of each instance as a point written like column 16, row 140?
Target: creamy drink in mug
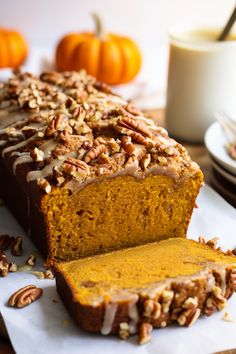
column 201, row 81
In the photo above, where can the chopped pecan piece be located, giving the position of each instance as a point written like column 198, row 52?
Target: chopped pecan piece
column 31, row 260
column 12, row 267
column 190, row 313
column 215, row 301
column 124, row 331
column 3, row 264
column 167, row 297
column 48, row 274
column 65, row 135
column 37, row 155
column 146, row 160
column 25, row 296
column 16, row 246
column 213, row 242
column 113, row 145
column 152, row 309
column 145, row 331
column 45, row 185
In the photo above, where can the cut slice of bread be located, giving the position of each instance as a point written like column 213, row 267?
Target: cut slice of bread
column 136, row 289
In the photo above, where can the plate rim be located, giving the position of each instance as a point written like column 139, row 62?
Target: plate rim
column 226, row 163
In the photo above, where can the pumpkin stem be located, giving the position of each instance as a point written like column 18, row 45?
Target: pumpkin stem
column 99, row 29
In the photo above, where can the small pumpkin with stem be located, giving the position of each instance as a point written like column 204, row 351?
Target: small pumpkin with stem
column 109, row 57
column 13, row 48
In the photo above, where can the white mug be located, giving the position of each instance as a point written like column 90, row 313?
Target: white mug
column 201, row 81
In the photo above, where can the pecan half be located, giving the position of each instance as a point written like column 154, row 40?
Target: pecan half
column 127, row 144
column 132, row 110
column 101, row 86
column 3, row 264
column 145, row 331
column 52, row 77
column 58, row 123
column 94, row 153
column 134, row 125
column 139, row 138
column 75, row 167
column 16, row 246
column 25, row 296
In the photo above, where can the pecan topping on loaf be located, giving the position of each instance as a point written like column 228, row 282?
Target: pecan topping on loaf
column 70, row 115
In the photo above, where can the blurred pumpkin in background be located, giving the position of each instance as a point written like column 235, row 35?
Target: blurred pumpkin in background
column 109, row 57
column 13, row 48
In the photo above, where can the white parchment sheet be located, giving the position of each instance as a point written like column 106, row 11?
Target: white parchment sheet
column 46, row 327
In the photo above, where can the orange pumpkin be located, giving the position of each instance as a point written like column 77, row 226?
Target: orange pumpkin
column 109, row 57
column 13, row 48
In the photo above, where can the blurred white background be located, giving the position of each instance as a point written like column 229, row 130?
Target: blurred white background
column 147, row 21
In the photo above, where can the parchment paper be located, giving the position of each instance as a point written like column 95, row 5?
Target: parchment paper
column 46, row 327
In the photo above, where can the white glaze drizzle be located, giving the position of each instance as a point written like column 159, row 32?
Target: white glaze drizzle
column 2, row 142
column 222, row 273
column 47, row 170
column 133, row 311
column 110, row 313
column 210, row 283
column 48, row 147
column 19, row 145
column 11, row 120
column 6, row 129
column 18, row 153
column 24, row 158
column 134, row 316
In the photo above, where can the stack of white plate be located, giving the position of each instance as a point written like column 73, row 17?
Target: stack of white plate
column 216, row 141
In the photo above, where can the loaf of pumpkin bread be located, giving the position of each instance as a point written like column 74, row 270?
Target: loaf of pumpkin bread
column 85, row 172
column 133, row 290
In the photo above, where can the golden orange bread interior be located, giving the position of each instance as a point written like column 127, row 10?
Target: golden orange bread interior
column 118, row 213
column 134, row 269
